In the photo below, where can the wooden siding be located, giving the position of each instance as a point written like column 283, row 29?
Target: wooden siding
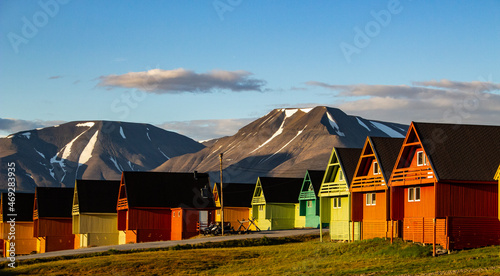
column 312, row 213
column 341, row 230
column 467, row 232
column 377, row 229
column 233, row 214
column 122, row 220
column 45, row 227
column 95, row 239
column 24, row 241
column 55, row 243
column 424, row 208
column 139, row 218
column 421, row 229
column 407, row 171
column 377, row 211
column 277, row 217
column 466, row 200
column 95, row 223
column 300, row 221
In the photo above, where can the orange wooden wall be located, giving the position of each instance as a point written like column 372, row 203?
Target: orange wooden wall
column 378, row 211
column 423, row 208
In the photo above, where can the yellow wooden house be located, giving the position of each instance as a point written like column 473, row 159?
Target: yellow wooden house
column 95, row 221
column 237, row 200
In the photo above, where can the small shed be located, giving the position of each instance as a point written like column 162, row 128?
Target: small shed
column 52, row 219
column 237, row 203
column 159, row 206
column 442, row 191
column 308, row 199
column 335, row 195
column 94, row 213
column 369, row 190
column 274, row 201
column 19, row 210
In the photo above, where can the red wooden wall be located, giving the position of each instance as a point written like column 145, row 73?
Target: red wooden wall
column 467, row 200
column 148, row 219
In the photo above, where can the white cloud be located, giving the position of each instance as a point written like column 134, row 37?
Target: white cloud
column 433, row 101
column 181, row 80
column 207, row 129
column 9, row 126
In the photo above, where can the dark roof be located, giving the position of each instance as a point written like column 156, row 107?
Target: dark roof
column 97, row 196
column 23, row 207
column 54, row 202
column 348, row 159
column 461, row 152
column 316, row 179
column 387, row 151
column 280, row 189
column 237, row 194
column 167, row 189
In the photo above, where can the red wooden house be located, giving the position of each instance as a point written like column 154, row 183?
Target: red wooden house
column 369, row 190
column 156, row 206
column 442, row 187
column 52, row 219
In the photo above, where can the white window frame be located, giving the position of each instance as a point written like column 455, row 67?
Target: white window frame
column 376, row 165
column 371, row 199
column 423, row 158
column 309, row 204
column 261, row 207
column 341, row 175
column 412, row 194
column 337, row 203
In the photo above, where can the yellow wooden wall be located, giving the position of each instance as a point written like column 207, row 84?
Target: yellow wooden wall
column 233, row 214
column 300, row 221
column 24, row 241
column 95, row 223
column 96, row 239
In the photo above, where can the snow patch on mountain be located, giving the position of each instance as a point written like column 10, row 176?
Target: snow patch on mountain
column 297, row 135
column 363, row 124
column 122, row 134
column 278, row 132
column 67, row 148
column 87, row 151
column 87, row 124
column 26, row 134
column 163, row 154
column 41, row 154
column 334, row 124
column 117, row 166
column 130, row 165
column 389, row 131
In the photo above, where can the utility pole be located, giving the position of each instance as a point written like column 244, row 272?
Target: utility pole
column 221, row 196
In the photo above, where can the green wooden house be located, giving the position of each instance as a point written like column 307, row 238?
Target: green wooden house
column 274, row 202
column 308, row 200
column 335, row 196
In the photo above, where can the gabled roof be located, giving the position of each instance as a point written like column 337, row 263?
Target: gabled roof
column 54, row 202
column 237, row 194
column 316, row 178
column 348, row 159
column 23, row 207
column 97, row 196
column 281, row 189
column 461, row 152
column 386, row 150
column 167, row 189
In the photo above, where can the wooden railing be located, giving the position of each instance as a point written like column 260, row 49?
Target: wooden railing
column 76, row 209
column 122, row 203
column 35, row 214
column 307, row 195
column 412, row 176
column 332, row 189
column 257, row 200
column 361, row 182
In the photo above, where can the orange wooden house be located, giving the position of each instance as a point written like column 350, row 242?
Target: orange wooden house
column 22, row 212
column 237, row 203
column 52, row 219
column 369, row 190
column 159, row 206
column 442, row 187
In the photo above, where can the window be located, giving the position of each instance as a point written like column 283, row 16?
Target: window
column 337, row 203
column 376, row 168
column 218, row 212
column 261, row 207
column 179, row 214
column 413, row 194
column 311, row 188
column 174, row 214
column 309, row 204
column 204, row 193
column 341, row 176
column 371, row 199
column 421, row 159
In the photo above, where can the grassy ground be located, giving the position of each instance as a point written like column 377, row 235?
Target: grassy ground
column 274, row 257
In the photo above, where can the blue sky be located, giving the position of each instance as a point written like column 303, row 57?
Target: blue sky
column 207, row 68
